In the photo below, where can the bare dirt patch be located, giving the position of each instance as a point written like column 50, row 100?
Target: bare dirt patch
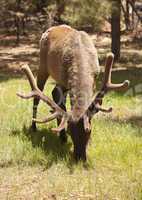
column 12, row 56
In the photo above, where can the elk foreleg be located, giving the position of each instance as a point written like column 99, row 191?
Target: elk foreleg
column 41, row 80
column 59, row 96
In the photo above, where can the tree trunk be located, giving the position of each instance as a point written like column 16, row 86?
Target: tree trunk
column 127, row 15
column 115, row 28
column 18, row 5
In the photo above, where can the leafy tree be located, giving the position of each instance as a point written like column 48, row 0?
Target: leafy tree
column 60, row 8
column 87, row 15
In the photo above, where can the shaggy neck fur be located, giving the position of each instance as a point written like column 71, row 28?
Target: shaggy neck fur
column 80, row 79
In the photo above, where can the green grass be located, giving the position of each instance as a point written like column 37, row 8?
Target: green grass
column 36, row 165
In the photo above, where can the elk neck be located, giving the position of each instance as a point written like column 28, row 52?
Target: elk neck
column 81, row 81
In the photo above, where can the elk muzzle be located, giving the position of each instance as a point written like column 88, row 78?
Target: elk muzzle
column 80, row 136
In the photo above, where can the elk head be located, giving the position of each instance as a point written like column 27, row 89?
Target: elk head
column 79, row 129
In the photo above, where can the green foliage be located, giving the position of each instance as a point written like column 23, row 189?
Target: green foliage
column 82, row 14
column 88, row 15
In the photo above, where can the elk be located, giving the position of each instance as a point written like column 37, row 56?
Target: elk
column 70, row 58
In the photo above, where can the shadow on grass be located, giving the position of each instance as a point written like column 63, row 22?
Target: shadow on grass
column 53, row 148
column 50, row 143
column 135, row 121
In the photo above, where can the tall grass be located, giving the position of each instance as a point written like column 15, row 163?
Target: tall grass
column 39, row 166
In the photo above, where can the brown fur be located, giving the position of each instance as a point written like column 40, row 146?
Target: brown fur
column 70, row 58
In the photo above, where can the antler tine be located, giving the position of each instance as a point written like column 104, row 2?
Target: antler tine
column 99, row 108
column 25, row 68
column 36, row 92
column 62, row 124
column 52, row 117
column 47, row 119
column 30, row 95
column 108, row 67
column 107, row 85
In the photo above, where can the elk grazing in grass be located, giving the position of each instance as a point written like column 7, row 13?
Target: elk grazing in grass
column 70, row 58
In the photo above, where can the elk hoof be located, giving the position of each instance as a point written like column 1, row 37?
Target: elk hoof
column 63, row 137
column 33, row 127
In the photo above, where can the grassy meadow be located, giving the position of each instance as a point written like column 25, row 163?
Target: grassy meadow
column 36, row 166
